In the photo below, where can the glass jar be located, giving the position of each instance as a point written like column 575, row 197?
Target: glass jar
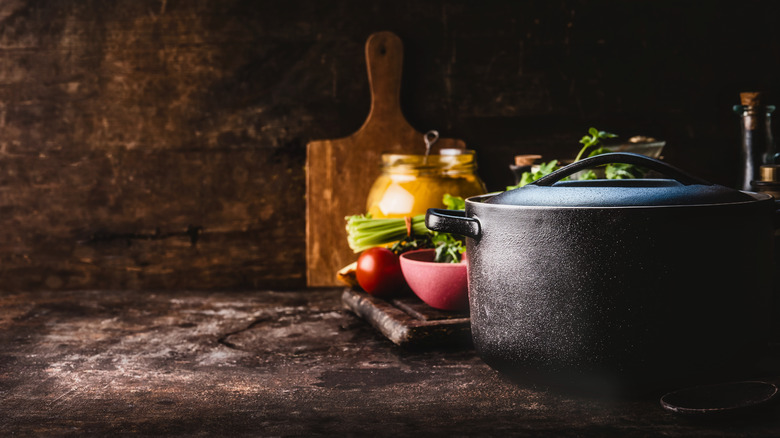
column 411, row 184
column 758, row 146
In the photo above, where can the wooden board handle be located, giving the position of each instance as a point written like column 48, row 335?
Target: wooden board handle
column 384, row 59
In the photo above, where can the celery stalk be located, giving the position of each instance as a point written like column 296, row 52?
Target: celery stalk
column 364, row 232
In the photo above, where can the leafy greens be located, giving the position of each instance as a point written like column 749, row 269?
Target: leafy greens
column 593, row 140
column 364, row 232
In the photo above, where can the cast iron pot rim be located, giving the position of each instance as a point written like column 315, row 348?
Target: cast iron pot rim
column 481, row 200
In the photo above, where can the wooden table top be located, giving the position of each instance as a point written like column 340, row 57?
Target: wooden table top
column 276, row 364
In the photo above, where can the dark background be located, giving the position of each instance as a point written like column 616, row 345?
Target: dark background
column 161, row 144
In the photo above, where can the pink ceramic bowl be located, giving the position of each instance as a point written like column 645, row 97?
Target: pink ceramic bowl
column 440, row 285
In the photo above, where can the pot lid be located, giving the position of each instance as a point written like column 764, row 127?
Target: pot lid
column 680, row 189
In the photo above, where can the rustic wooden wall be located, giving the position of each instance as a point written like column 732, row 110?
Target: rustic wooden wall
column 160, row 143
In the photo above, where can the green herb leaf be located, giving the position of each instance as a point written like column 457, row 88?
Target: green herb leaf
column 411, row 243
column 365, row 232
column 454, row 202
column 593, row 139
column 448, row 248
column 623, row 171
column 599, row 151
column 588, row 174
column 529, row 177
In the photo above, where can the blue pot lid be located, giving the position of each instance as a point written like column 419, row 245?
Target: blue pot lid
column 680, row 189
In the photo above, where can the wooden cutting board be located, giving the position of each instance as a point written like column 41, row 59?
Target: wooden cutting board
column 409, row 322
column 339, row 172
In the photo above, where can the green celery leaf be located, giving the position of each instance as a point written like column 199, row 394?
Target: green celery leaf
column 454, row 202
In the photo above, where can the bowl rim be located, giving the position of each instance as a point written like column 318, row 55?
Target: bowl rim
column 408, row 258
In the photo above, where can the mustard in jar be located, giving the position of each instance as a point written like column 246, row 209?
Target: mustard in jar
column 411, row 184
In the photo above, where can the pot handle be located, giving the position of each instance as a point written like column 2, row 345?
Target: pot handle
column 624, row 158
column 452, row 221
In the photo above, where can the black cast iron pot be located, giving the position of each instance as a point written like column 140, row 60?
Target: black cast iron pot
column 617, row 285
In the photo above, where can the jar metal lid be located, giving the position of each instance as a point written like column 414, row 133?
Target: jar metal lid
column 770, row 172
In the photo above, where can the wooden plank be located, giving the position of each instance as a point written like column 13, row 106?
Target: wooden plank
column 293, row 363
column 409, row 322
column 151, row 219
column 339, row 172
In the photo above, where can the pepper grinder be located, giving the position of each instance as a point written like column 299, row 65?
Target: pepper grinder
column 758, row 147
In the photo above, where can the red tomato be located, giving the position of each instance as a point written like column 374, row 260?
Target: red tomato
column 379, row 272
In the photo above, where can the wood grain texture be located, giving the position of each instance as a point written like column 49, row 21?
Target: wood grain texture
column 409, row 322
column 185, row 363
column 127, row 127
column 339, row 172
column 131, row 156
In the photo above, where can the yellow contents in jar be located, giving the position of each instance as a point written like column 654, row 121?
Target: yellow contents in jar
column 411, row 184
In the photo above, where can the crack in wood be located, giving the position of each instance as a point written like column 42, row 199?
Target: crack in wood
column 298, row 314
column 223, row 340
column 192, row 231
